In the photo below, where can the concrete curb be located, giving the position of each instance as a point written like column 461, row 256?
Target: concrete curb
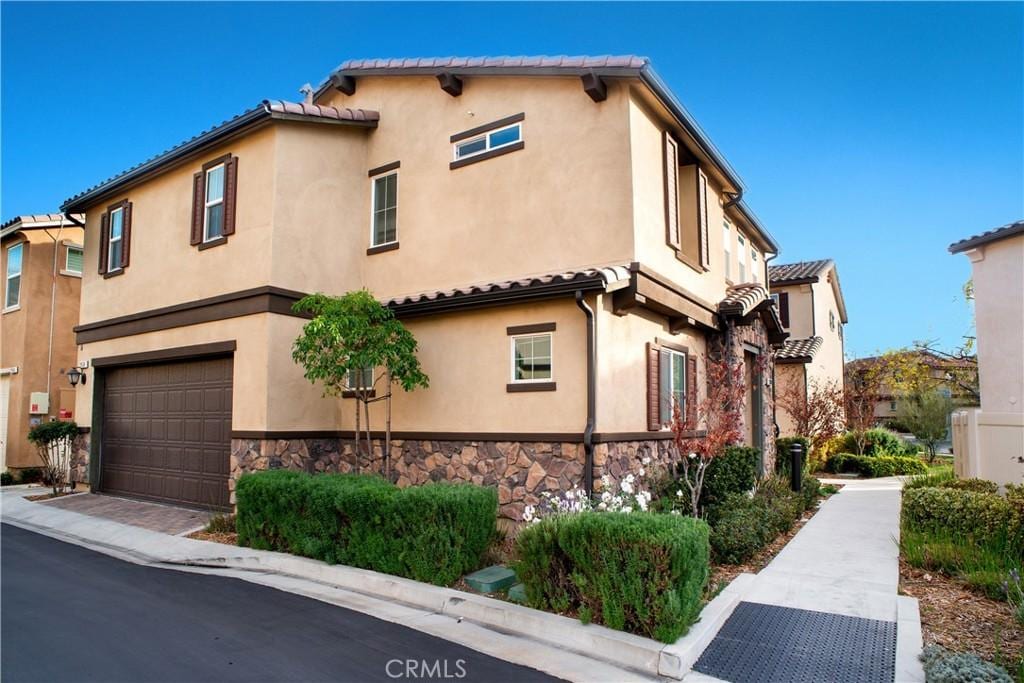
column 909, row 641
column 618, row 648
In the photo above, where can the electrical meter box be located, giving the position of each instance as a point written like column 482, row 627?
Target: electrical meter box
column 38, row 403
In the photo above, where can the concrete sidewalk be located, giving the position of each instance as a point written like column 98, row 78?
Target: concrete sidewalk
column 845, row 561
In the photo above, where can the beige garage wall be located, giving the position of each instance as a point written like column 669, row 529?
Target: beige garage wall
column 249, row 397
column 164, row 268
column 468, row 359
column 622, row 365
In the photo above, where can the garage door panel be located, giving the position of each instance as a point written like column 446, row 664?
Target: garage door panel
column 167, row 431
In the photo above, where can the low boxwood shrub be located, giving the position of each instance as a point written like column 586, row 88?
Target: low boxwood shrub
column 984, row 517
column 735, row 471
column 978, row 485
column 30, row 475
column 875, row 465
column 943, row 666
column 638, row 572
column 434, row 533
column 6, row 478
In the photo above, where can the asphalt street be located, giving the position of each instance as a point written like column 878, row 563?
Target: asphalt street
column 71, row 614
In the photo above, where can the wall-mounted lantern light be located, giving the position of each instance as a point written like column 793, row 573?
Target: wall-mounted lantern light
column 75, row 375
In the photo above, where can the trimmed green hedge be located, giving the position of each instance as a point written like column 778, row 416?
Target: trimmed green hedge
column 875, row 465
column 735, row 471
column 638, row 572
column 434, row 533
column 982, row 516
column 877, row 441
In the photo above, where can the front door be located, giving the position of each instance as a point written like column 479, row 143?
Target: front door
column 754, row 404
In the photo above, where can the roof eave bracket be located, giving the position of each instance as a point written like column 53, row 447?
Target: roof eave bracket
column 450, row 83
column 594, row 86
column 344, row 84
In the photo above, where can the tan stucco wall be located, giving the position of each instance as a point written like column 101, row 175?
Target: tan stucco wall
column 787, row 376
column 801, row 311
column 164, row 268
column 828, row 362
column 622, row 367
column 24, row 334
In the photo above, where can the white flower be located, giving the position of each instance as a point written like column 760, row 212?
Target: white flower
column 630, row 478
column 641, row 503
column 606, row 496
column 679, row 493
column 676, row 512
column 602, row 505
column 626, row 509
column 570, row 494
column 646, row 460
column 641, row 472
column 693, row 456
column 626, row 487
column 528, row 513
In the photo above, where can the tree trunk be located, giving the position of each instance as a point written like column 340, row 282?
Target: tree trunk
column 369, row 440
column 357, row 452
column 387, row 431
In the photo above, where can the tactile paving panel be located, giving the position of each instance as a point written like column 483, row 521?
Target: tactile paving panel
column 768, row 644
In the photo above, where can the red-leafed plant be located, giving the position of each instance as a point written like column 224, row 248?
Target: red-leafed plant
column 718, row 418
column 816, row 409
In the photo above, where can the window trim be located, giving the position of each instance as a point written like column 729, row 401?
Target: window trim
column 8, row 276
column 486, row 137
column 353, row 392
column 727, row 247
column 207, row 204
column 393, row 244
column 67, row 253
column 684, row 356
column 513, row 381
column 110, row 239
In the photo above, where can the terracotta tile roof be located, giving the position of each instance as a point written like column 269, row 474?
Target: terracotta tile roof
column 39, row 220
column 266, row 109
column 795, row 272
column 799, row 350
column 606, row 278
column 1008, row 230
column 521, row 62
column 742, row 299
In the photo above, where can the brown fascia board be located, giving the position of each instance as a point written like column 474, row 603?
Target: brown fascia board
column 187, row 151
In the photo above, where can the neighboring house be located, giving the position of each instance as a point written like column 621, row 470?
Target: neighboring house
column 41, row 260
column 559, row 235
column 813, row 312
column 989, row 441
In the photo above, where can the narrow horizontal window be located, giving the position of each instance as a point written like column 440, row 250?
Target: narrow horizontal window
column 495, row 139
column 531, row 358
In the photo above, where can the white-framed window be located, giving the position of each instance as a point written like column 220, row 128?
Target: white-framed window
column 672, row 368
column 213, row 212
column 727, row 247
column 775, row 300
column 742, row 256
column 12, row 283
column 384, row 222
column 485, row 142
column 754, row 268
column 531, row 358
column 73, row 259
column 832, row 321
column 115, row 241
column 360, row 379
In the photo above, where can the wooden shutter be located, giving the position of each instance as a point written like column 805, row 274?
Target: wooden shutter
column 702, row 219
column 671, row 158
column 691, row 388
column 198, row 207
column 126, row 234
column 784, row 308
column 230, row 187
column 104, row 242
column 653, row 388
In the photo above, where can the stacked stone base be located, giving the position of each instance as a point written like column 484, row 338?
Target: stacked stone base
column 520, row 471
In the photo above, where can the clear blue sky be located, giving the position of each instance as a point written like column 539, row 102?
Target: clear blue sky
column 875, row 134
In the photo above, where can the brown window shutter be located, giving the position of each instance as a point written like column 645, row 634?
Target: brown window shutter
column 198, row 206
column 104, row 242
column 784, row 308
column 653, row 388
column 126, row 235
column 230, row 187
column 702, row 217
column 671, row 158
column 691, row 388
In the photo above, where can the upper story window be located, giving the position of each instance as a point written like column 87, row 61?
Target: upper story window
column 531, row 358
column 385, row 210
column 360, row 379
column 672, row 380
column 687, row 207
column 12, row 288
column 727, row 248
column 832, row 321
column 115, row 238
column 213, row 212
column 754, row 268
column 487, row 141
column 742, row 257
column 214, row 188
column 73, row 259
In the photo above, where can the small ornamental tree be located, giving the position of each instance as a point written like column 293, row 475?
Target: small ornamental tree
column 864, row 384
column 718, row 415
column 816, row 410
column 352, row 344
column 55, row 440
column 926, row 415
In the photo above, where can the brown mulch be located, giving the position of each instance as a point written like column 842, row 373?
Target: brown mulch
column 961, row 620
column 216, row 537
column 51, row 495
column 722, row 574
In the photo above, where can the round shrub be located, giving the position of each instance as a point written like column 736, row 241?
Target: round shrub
column 877, row 441
column 978, row 485
column 943, row 666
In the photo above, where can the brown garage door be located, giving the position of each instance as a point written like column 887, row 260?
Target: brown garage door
column 167, row 432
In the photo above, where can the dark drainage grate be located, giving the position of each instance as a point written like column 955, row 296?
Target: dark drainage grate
column 764, row 643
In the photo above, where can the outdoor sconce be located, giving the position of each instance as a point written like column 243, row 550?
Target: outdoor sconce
column 75, row 375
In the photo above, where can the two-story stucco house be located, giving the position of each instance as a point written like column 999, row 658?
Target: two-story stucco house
column 41, row 260
column 813, row 312
column 560, row 236
column 988, row 442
